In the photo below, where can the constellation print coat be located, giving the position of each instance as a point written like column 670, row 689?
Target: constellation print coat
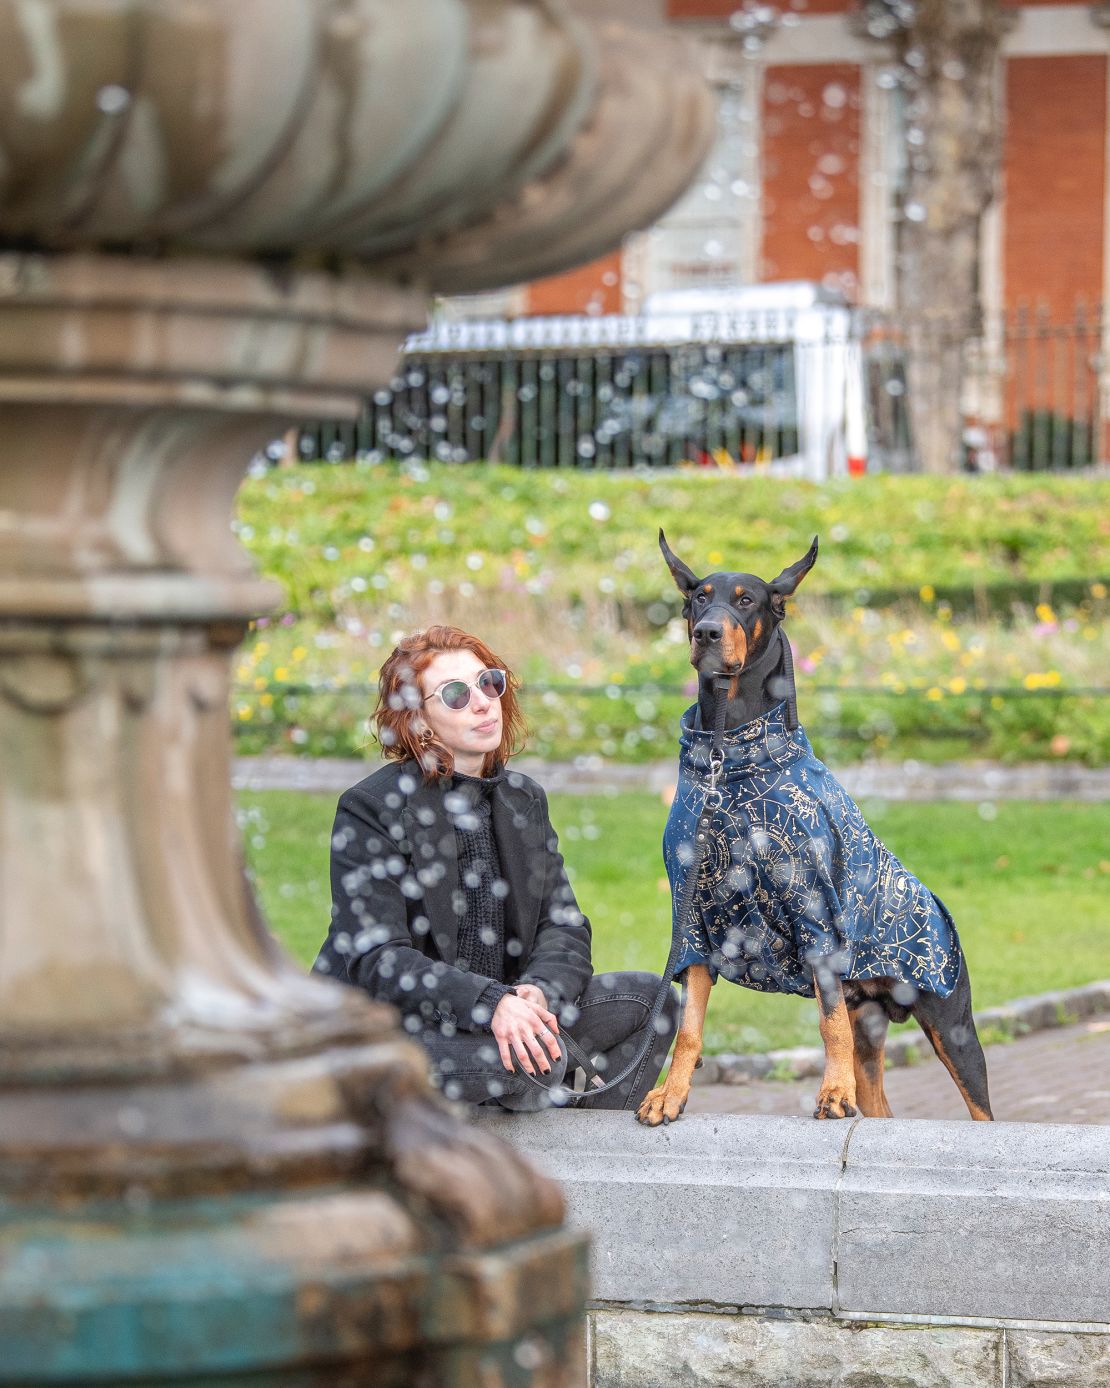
column 793, row 875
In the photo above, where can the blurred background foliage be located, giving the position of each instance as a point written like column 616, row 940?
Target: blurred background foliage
column 947, row 617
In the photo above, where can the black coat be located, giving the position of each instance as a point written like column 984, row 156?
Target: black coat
column 397, row 902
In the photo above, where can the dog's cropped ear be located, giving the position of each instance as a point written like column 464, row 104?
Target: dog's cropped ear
column 787, row 581
column 686, row 578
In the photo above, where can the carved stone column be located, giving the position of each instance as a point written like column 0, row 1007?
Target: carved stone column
column 207, row 1159
column 214, row 1169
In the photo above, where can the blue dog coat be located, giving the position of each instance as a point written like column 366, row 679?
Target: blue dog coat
column 793, row 875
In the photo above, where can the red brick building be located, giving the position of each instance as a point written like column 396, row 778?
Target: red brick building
column 803, row 182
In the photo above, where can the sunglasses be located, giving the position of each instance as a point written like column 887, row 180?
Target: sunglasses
column 455, row 694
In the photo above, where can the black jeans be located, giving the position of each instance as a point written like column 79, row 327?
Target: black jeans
column 609, row 1021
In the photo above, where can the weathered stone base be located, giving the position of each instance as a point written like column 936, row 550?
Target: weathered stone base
column 690, row 1349
column 750, row 1252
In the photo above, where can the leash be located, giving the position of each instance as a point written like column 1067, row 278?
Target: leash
column 791, row 695
column 683, row 916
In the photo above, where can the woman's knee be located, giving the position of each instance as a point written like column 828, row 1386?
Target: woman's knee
column 525, row 1093
column 625, row 983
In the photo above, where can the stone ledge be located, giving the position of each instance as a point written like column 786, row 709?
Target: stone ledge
column 952, row 1221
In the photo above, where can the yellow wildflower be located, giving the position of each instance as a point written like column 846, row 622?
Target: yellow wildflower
column 281, row 674
column 950, row 639
column 957, row 685
column 299, row 652
column 927, row 592
column 245, row 713
column 1044, row 612
column 934, row 693
column 1098, row 590
column 1047, row 679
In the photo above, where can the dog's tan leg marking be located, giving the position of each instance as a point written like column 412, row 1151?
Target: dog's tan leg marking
column 837, row 1096
column 868, row 1064
column 980, row 1114
column 665, row 1103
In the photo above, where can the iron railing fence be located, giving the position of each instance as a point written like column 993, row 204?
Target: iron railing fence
column 749, row 389
column 1037, row 390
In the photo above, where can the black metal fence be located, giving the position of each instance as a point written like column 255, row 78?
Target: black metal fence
column 1036, row 396
column 759, row 388
column 605, row 409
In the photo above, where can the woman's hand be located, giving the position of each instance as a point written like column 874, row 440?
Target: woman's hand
column 519, row 1024
column 532, row 993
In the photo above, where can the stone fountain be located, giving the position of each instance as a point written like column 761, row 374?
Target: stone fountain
column 217, row 217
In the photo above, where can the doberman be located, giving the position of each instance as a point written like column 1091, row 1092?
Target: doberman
column 879, row 913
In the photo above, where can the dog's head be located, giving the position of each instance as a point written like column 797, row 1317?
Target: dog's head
column 731, row 617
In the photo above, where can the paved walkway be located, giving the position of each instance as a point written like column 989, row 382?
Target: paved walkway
column 1056, row 1076
column 872, row 780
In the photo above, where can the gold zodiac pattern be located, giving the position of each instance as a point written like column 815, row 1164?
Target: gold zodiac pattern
column 793, row 878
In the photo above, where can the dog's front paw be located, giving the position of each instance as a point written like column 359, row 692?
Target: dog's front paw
column 835, row 1101
column 663, row 1105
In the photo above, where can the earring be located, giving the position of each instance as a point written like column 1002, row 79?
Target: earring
column 425, row 737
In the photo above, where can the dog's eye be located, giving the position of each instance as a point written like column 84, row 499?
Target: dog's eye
column 701, row 598
column 745, row 601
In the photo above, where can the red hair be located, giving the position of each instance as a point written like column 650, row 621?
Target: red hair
column 394, row 718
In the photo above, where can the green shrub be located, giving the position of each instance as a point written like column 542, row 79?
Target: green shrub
column 946, row 617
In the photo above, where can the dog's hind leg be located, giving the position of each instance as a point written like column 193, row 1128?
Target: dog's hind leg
column 950, row 1027
column 837, row 1095
column 869, row 1025
column 665, row 1103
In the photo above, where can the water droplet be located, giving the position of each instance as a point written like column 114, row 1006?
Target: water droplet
column 113, row 99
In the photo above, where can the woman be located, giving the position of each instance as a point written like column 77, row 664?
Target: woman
column 450, row 900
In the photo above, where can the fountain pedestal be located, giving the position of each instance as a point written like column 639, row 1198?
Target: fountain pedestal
column 209, row 1163
column 216, row 220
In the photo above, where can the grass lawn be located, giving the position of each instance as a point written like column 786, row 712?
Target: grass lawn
column 1027, row 884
